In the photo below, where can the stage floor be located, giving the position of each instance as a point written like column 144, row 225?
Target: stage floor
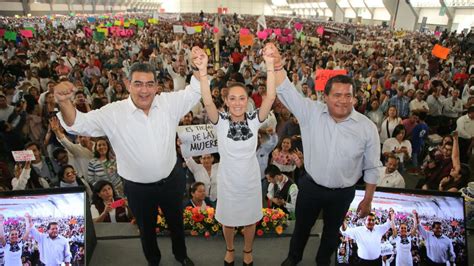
column 119, row 245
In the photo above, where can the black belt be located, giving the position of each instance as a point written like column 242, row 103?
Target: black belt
column 157, row 183
column 323, row 187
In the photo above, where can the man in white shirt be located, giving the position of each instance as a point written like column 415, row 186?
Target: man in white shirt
column 465, row 129
column 142, row 131
column 439, row 248
column 418, row 104
column 53, row 248
column 179, row 79
column 389, row 175
column 368, row 238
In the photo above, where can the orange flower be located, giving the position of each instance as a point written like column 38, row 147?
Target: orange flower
column 158, row 220
column 189, row 208
column 274, row 216
column 194, row 233
column 279, row 229
column 197, row 217
column 196, row 210
column 266, row 219
column 260, row 232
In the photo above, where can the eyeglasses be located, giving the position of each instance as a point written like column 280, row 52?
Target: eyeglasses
column 148, row 85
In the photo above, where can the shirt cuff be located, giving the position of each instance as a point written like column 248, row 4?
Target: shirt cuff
column 78, row 120
column 372, row 176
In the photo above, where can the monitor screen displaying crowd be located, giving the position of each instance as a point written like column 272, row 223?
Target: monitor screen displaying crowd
column 447, row 209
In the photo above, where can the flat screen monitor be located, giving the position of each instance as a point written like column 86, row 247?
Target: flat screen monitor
column 431, row 206
column 67, row 207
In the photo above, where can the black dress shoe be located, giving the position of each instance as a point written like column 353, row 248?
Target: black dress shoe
column 186, row 262
column 288, row 262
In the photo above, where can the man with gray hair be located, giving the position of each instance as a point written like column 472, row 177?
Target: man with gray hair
column 142, row 132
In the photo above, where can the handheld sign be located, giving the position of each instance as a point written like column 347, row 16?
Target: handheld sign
column 323, row 75
column 197, row 140
column 23, row 156
column 117, row 203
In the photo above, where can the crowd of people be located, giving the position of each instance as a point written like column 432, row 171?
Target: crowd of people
column 415, row 100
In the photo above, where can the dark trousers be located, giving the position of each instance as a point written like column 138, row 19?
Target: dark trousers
column 313, row 198
column 376, row 262
column 463, row 148
column 144, row 200
column 432, row 263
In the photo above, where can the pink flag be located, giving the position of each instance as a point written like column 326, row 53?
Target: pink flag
column 244, row 31
column 298, row 26
column 320, row 30
column 262, row 35
column 26, row 33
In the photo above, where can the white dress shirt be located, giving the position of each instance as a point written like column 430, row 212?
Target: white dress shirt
column 465, row 127
column 79, row 155
column 201, row 175
column 437, row 248
column 144, row 145
column 392, row 143
column 179, row 82
column 368, row 242
column 452, row 109
column 394, row 179
column 418, row 105
column 52, row 251
column 336, row 155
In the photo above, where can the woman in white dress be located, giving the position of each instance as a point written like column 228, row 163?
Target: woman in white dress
column 389, row 124
column 14, row 247
column 239, row 189
column 403, row 244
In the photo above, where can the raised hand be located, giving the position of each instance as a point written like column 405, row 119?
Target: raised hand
column 54, row 124
column 64, row 91
column 269, row 52
column 199, row 59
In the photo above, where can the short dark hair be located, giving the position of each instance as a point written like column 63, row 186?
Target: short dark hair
column 143, row 68
column 470, row 109
column 51, row 223
column 272, row 170
column 96, row 152
column 397, row 130
column 391, row 156
column 194, row 187
column 58, row 151
column 338, row 79
column 32, row 143
column 436, row 223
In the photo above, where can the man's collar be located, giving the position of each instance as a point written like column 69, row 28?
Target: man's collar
column 133, row 108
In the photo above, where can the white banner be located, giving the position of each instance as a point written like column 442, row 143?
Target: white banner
column 343, row 47
column 197, row 140
column 190, row 30
column 178, row 29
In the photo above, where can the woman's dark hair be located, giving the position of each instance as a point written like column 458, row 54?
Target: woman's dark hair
column 194, row 187
column 63, row 170
column 98, row 186
column 96, row 152
column 292, row 149
column 397, row 130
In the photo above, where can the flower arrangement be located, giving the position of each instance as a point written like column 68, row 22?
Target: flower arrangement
column 203, row 222
column 274, row 220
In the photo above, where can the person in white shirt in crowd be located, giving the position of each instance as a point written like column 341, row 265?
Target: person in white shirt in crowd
column 452, row 108
column 398, row 146
column 403, row 242
column 50, row 85
column 80, row 154
column 389, row 175
column 439, row 248
column 53, row 248
column 13, row 248
column 389, row 124
column 435, row 104
column 205, row 172
column 5, row 109
column 465, row 129
column 179, row 78
column 146, row 160
column 69, row 60
column 24, row 178
column 282, row 191
column 418, row 104
column 368, row 238
column 264, row 149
